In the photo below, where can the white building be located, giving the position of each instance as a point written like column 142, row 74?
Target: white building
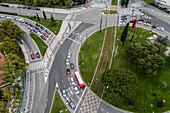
column 163, row 3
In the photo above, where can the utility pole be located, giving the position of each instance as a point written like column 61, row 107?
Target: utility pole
column 101, row 21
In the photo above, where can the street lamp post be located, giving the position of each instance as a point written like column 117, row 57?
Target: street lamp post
column 101, row 21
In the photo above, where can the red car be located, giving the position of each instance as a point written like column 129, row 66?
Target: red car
column 45, row 34
column 32, row 55
column 35, row 30
column 148, row 22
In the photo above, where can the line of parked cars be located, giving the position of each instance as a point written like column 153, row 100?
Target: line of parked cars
column 20, row 7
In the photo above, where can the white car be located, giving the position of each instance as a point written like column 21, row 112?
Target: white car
column 76, row 90
column 160, row 28
column 69, row 55
column 147, row 24
column 139, row 22
column 122, row 23
column 126, row 14
column 72, row 81
column 149, row 18
column 67, row 61
column 39, row 34
column 29, row 27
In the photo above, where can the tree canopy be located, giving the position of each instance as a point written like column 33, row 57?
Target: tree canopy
column 147, row 57
column 120, row 81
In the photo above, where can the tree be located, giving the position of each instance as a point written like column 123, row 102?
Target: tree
column 124, row 34
column 120, row 81
column 52, row 21
column 113, row 98
column 2, row 106
column 44, row 15
column 9, row 46
column 132, row 38
column 163, row 40
column 26, row 2
column 149, row 1
column 38, row 17
column 126, row 3
column 34, row 3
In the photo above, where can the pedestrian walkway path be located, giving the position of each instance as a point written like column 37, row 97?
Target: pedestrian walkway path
column 34, row 66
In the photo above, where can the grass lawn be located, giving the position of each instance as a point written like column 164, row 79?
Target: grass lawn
column 89, row 55
column 111, row 12
column 40, row 43
column 114, row 2
column 146, row 86
column 58, row 105
column 55, row 29
column 97, row 85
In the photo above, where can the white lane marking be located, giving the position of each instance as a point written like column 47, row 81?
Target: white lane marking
column 70, row 90
column 74, row 41
column 62, row 81
column 64, row 85
column 102, row 109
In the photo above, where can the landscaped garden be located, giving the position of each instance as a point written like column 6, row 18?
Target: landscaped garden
column 152, row 91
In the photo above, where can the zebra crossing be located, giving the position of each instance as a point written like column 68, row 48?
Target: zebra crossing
column 37, row 65
column 23, row 28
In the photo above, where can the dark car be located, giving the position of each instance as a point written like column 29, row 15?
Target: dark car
column 28, row 7
column 23, row 7
column 37, row 9
column 37, row 24
column 71, row 104
column 131, row 21
column 43, row 37
column 141, row 20
column 72, row 66
column 37, row 54
column 153, row 26
column 68, row 72
column 37, row 28
column 31, row 25
column 18, row 6
column 48, row 32
column 123, row 16
column 42, row 27
column 27, row 23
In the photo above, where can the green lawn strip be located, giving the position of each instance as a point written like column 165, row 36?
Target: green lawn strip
column 40, row 43
column 114, row 2
column 110, row 12
column 55, row 29
column 58, row 105
column 89, row 55
column 146, row 86
column 97, row 85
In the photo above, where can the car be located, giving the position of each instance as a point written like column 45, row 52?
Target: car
column 35, row 30
column 23, row 7
column 72, row 81
column 11, row 6
column 21, row 20
column 18, row 6
column 72, row 66
column 64, row 93
column 40, row 31
column 131, row 21
column 68, row 72
column 122, row 23
column 67, row 61
column 16, row 19
column 153, row 26
column 149, row 18
column 29, row 27
column 48, row 32
column 27, row 23
column 32, row 55
column 123, row 16
column 76, row 90
column 1, row 16
column 42, row 37
column 126, row 14
column 37, row 24
column 133, row 15
column 71, row 104
column 122, row 20
column 39, row 34
column 37, row 54
column 68, row 55
column 160, row 28
column 45, row 34
column 139, row 22
column 28, row 7
column 42, row 27
column 148, row 22
column 37, row 9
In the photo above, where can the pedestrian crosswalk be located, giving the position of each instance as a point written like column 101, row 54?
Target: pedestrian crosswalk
column 23, row 28
column 37, row 65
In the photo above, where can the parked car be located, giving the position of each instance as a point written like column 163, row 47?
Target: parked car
column 160, row 28
column 23, row 7
column 68, row 72
column 72, row 66
column 148, row 22
column 32, row 55
column 68, row 55
column 27, row 23
column 71, row 104
column 1, row 16
column 16, row 19
column 37, row 54
column 76, row 90
column 153, row 26
column 37, row 9
column 67, row 61
column 126, row 14
column 29, row 27
column 28, row 7
column 37, row 24
column 133, row 15
column 64, row 93
column 43, row 37
column 39, row 34
column 139, row 22
column 42, row 27
column 72, row 81
column 48, row 32
column 35, row 30
column 40, row 31
column 122, row 23
column 45, row 34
